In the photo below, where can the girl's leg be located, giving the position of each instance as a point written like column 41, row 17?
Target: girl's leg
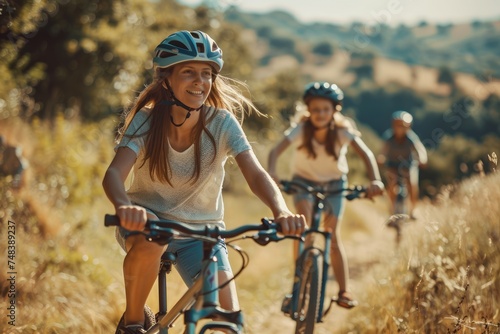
column 189, row 262
column 140, row 269
column 339, row 263
column 228, row 297
column 337, row 253
column 391, row 179
column 413, row 189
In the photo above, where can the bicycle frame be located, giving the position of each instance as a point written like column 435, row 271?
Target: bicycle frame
column 203, row 292
column 400, row 214
column 306, row 245
column 201, row 300
column 401, row 196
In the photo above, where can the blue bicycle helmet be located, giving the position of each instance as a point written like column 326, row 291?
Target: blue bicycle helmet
column 403, row 116
column 325, row 90
column 185, row 46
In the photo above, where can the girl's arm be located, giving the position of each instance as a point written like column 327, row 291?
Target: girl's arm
column 132, row 217
column 263, row 186
column 376, row 186
column 382, row 156
column 420, row 150
column 274, row 155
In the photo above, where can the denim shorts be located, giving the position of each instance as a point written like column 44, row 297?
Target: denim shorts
column 334, row 204
column 408, row 174
column 189, row 254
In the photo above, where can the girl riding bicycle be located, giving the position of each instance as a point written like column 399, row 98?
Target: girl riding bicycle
column 175, row 140
column 402, row 154
column 321, row 139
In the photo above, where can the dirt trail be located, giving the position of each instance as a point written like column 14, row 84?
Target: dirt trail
column 368, row 243
column 366, row 247
column 262, row 286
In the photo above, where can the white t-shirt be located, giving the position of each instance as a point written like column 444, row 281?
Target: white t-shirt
column 324, row 167
column 185, row 201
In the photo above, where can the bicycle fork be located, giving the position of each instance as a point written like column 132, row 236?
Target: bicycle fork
column 301, row 261
column 210, row 308
column 324, row 280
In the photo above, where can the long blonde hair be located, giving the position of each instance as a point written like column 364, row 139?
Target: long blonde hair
column 225, row 94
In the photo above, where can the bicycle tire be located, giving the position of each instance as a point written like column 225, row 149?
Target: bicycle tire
column 310, row 288
column 400, row 205
column 401, row 197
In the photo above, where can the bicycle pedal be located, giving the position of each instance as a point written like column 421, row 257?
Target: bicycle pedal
column 333, row 300
column 286, row 305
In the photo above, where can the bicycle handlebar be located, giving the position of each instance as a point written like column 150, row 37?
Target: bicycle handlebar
column 160, row 230
column 291, row 187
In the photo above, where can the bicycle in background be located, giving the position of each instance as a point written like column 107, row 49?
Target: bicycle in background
column 306, row 303
column 201, row 300
column 400, row 216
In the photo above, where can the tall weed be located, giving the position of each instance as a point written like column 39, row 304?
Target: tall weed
column 445, row 278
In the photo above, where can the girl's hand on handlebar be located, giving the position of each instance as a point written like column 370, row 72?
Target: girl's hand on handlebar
column 291, row 224
column 132, row 217
column 375, row 188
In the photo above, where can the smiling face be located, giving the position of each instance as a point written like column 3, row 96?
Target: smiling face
column 321, row 111
column 191, row 82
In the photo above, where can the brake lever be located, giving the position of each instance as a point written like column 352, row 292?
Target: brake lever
column 153, row 235
column 357, row 192
column 265, row 237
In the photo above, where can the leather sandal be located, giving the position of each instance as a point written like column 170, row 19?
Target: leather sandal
column 345, row 300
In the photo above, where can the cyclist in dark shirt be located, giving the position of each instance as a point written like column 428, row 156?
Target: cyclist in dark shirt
column 12, row 163
column 403, row 154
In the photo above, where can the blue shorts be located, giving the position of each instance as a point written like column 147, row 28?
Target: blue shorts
column 189, row 254
column 334, row 204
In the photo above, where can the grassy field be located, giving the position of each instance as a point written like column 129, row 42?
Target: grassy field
column 443, row 279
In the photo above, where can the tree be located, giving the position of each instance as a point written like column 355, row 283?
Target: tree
column 375, row 107
column 323, row 49
column 444, row 29
column 69, row 65
column 276, row 97
column 85, row 58
column 446, row 76
column 491, row 115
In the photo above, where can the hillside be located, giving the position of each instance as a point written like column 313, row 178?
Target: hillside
column 470, row 48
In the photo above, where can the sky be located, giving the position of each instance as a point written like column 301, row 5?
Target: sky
column 391, row 12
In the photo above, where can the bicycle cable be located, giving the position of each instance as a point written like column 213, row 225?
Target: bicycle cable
column 245, row 258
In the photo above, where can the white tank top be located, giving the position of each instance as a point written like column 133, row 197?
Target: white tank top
column 324, row 167
column 185, row 201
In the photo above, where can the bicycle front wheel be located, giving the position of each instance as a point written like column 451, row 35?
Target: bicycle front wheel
column 309, row 296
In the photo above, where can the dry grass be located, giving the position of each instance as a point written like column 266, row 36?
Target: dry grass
column 69, row 266
column 445, row 278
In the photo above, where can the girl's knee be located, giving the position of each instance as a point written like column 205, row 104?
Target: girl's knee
column 140, row 247
column 228, row 296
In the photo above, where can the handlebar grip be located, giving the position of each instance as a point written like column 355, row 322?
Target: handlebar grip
column 111, row 220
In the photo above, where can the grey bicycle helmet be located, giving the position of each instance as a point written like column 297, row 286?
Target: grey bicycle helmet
column 403, row 116
column 325, row 90
column 185, row 46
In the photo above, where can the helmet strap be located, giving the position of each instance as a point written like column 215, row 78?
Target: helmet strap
column 179, row 103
